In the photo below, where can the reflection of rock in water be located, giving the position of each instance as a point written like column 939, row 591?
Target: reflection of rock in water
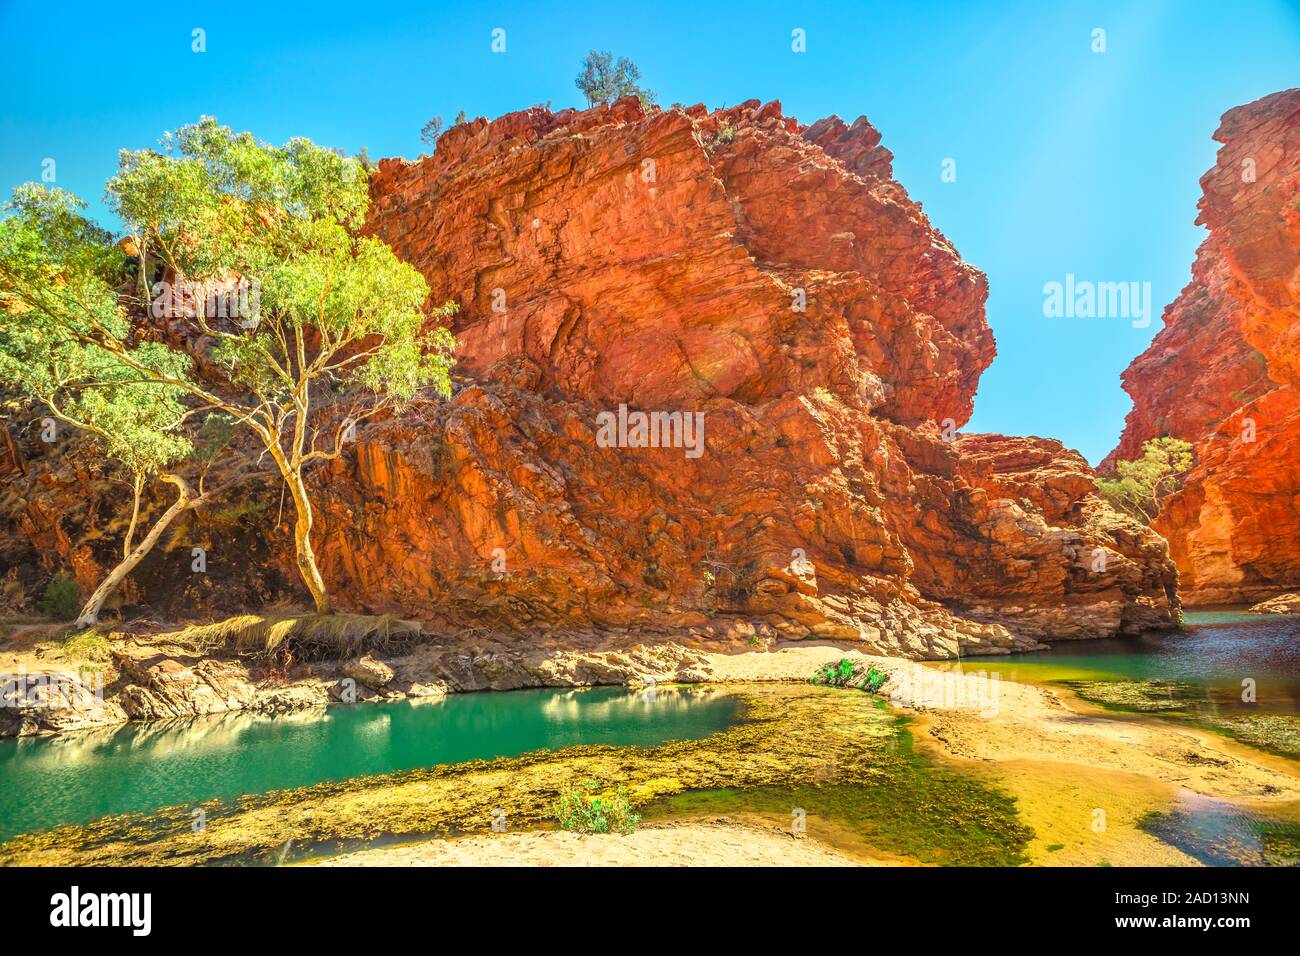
column 654, row 697
column 1220, row 834
column 828, row 750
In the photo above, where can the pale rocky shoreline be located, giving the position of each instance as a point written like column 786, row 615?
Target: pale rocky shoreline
column 1028, row 739
column 716, row 843
column 1282, row 604
column 152, row 679
column 1061, row 757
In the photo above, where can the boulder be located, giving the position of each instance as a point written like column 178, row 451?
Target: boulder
column 366, row 670
column 1282, row 604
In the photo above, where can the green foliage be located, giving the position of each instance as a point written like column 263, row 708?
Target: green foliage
column 1138, row 487
column 88, row 648
column 584, row 809
column 845, row 673
column 61, row 599
column 56, row 275
column 725, row 136
column 604, row 80
column 338, row 317
column 834, row 675
column 217, row 203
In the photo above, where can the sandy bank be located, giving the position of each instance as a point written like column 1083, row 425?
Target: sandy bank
column 1084, row 777
column 685, row 844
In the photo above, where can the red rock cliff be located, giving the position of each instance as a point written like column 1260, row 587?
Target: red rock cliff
column 613, row 257
column 772, row 278
column 1223, row 372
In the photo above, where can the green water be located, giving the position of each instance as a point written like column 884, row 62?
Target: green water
column 1219, row 834
column 1234, row 673
column 46, row 782
column 1213, row 655
column 911, row 808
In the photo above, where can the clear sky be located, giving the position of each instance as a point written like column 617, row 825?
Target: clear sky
column 1067, row 160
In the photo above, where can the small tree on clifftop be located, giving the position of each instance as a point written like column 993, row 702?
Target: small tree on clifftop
column 430, row 132
column 603, row 80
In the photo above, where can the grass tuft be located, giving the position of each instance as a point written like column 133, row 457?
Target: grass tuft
column 89, row 648
column 583, row 808
column 299, row 636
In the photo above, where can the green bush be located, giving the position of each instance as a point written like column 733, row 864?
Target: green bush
column 89, row 648
column 846, row 674
column 1139, row 487
column 834, row 675
column 725, row 136
column 62, row 598
column 584, row 809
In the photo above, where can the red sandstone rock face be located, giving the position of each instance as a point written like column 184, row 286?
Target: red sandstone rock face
column 774, row 278
column 653, row 260
column 1227, row 360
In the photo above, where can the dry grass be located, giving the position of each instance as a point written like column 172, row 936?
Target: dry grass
column 88, row 648
column 300, row 636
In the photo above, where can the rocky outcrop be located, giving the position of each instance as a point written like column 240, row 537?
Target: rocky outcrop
column 160, row 683
column 773, row 281
column 54, row 702
column 1224, row 370
column 1282, row 604
column 809, row 346
column 161, row 680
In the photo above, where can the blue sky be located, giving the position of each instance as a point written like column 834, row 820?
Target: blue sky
column 1068, row 161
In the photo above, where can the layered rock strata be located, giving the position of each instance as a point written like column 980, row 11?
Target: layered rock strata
column 1224, row 370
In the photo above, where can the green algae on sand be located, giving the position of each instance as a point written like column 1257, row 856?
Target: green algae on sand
column 821, row 745
column 1190, row 703
column 1218, row 833
column 914, row 810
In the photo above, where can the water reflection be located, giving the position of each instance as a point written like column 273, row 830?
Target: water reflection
column 1217, row 833
column 1207, row 665
column 44, row 782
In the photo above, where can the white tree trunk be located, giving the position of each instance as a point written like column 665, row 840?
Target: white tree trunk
column 90, row 613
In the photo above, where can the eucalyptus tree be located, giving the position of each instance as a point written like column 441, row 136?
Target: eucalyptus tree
column 338, row 332
column 1140, row 486
column 57, row 276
